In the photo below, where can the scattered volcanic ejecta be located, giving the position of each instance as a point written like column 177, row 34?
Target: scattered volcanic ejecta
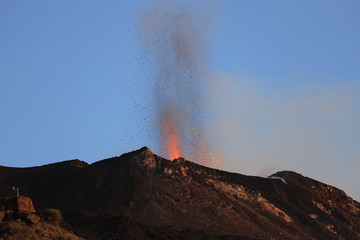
column 174, row 39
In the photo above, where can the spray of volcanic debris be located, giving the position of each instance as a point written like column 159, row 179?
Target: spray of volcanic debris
column 175, row 41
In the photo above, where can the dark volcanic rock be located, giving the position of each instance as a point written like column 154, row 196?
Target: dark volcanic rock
column 2, row 213
column 21, row 203
column 140, row 195
column 21, row 207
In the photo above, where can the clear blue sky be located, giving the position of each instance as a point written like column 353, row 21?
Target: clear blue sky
column 284, row 90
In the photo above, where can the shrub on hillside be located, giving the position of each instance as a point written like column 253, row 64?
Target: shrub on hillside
column 52, row 216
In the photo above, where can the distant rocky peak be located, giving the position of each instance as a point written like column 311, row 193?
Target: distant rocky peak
column 78, row 163
column 143, row 157
column 283, row 174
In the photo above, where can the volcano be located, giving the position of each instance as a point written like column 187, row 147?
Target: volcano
column 140, row 195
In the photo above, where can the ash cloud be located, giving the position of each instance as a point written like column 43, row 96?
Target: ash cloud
column 174, row 39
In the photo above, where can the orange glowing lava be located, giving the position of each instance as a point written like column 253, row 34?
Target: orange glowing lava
column 173, row 146
column 172, row 142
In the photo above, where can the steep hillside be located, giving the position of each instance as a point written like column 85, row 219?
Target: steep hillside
column 142, row 196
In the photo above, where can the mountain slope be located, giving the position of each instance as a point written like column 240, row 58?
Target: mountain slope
column 142, row 196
